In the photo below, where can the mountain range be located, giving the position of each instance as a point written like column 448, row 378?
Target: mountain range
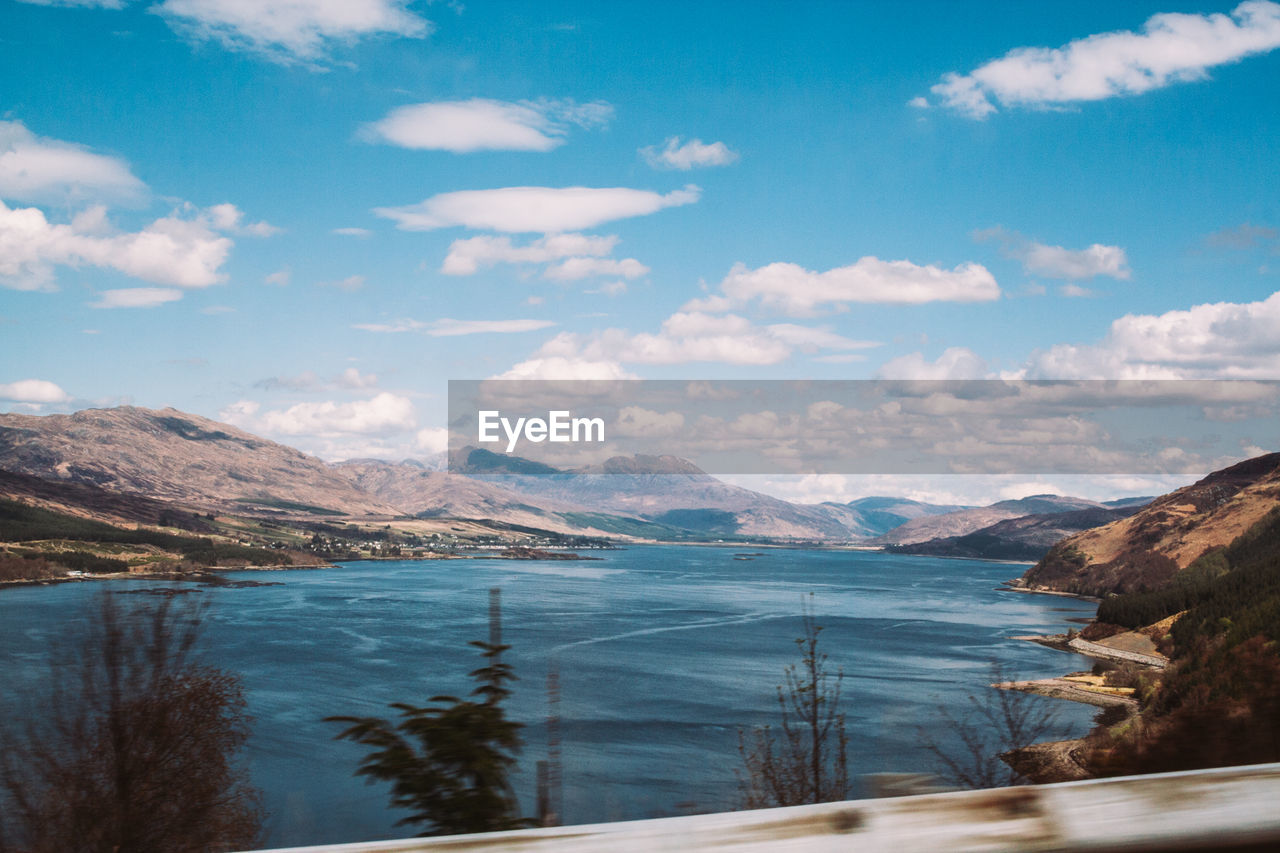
column 195, row 462
column 1147, row 550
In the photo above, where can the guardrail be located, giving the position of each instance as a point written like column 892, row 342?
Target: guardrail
column 1220, row 809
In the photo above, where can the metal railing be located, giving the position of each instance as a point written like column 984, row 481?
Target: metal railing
column 1220, row 809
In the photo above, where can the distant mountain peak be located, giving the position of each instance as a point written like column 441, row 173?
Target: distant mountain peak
column 643, row 464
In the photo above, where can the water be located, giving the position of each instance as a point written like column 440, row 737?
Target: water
column 664, row 652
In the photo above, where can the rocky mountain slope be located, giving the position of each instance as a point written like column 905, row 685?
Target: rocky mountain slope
column 965, row 521
column 197, row 463
column 175, row 456
column 1026, row 538
column 1147, row 549
column 666, row 490
column 424, row 493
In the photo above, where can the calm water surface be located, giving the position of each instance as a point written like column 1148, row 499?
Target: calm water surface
column 664, row 652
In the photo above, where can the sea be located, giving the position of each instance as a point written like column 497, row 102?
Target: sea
column 664, row 655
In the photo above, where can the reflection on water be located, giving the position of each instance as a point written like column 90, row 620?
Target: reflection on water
column 664, row 652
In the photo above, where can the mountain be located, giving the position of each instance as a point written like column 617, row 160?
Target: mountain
column 1146, row 550
column 876, row 516
column 173, row 456
column 424, row 493
column 961, row 522
column 1026, row 538
column 671, row 492
column 81, row 500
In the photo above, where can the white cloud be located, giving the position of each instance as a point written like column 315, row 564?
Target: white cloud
column 575, row 269
column 447, row 328
column 469, row 256
column 229, row 218
column 394, row 327
column 33, row 391
column 808, row 338
column 561, row 367
column 292, row 30
column 350, row 284
column 352, row 232
column 798, row 292
column 432, row 440
column 350, row 379
column 1075, row 291
column 692, row 154
column 384, row 413
column 37, row 169
column 452, row 328
column 689, row 337
column 1223, row 340
column 136, row 297
column 919, row 102
column 1057, row 262
column 612, row 288
column 534, row 209
column 171, row 250
column 279, row 278
column 1171, row 48
column 239, row 413
column 639, row 421
column 480, row 124
column 954, row 363
column 841, row 358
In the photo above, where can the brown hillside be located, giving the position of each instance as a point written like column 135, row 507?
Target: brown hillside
column 1145, row 550
column 174, row 456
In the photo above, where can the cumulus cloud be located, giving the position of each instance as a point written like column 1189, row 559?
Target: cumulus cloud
column 384, row 413
column 639, row 421
column 394, row 327
column 173, row 250
column 692, row 154
column 432, row 440
column 469, row 256
column 350, row 284
column 447, row 328
column 480, row 124
column 686, row 337
column 136, row 297
column 350, row 379
column 1171, row 48
column 229, row 218
column 534, row 209
column 1057, row 262
column 453, row 328
column 809, row 339
column 798, row 292
column 576, row 269
column 289, row 31
column 33, row 391
column 37, row 169
column 562, row 367
column 954, row 363
column 1222, row 340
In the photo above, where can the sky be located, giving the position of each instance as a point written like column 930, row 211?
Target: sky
column 304, row 217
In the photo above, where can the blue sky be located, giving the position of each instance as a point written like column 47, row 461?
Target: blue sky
column 306, row 217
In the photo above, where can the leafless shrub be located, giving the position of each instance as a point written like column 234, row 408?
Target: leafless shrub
column 134, row 748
